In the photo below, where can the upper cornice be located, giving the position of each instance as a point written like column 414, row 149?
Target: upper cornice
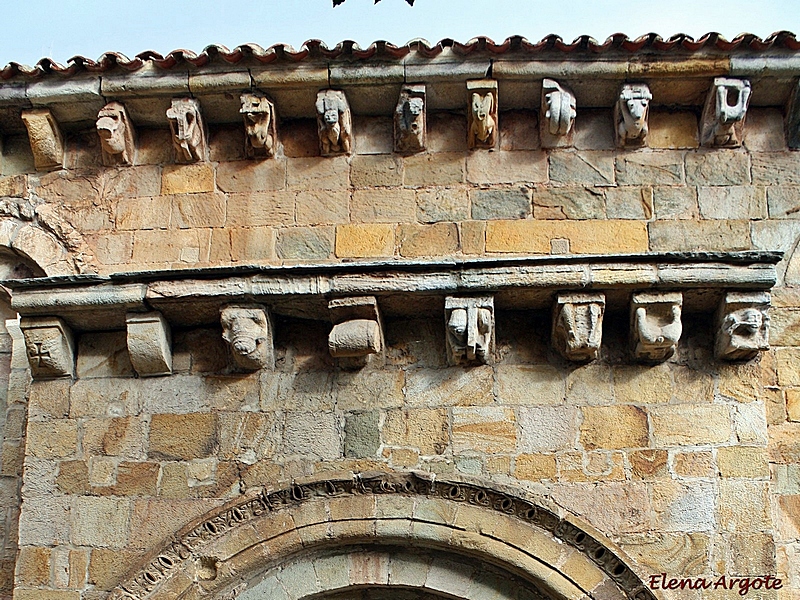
column 550, row 46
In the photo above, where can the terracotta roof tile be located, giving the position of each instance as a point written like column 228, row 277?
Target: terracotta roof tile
column 381, row 50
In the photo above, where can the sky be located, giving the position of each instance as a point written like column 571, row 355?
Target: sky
column 60, row 29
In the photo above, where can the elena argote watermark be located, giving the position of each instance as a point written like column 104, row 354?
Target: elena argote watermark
column 725, row 582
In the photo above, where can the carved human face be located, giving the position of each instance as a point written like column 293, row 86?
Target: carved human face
column 331, row 114
column 243, row 328
column 111, row 129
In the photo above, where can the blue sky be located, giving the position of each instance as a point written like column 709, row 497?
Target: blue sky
column 61, row 29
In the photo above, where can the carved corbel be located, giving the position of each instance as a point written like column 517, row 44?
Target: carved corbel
column 793, row 118
column 149, row 343
column 655, row 325
column 557, row 116
column 630, row 115
column 49, row 346
column 247, row 328
column 578, row 325
column 470, row 329
column 117, row 135
column 410, row 120
column 482, row 114
column 357, row 334
column 260, row 126
column 47, row 143
column 334, row 123
column 724, row 112
column 743, row 325
column 188, row 130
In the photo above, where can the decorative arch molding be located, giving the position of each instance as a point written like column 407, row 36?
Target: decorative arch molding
column 47, row 241
column 223, row 554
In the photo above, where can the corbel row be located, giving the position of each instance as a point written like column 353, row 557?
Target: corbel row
column 356, row 338
column 722, row 122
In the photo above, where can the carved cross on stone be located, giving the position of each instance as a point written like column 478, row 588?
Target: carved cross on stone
column 470, row 329
column 578, row 325
column 49, row 346
column 655, row 325
column 743, row 325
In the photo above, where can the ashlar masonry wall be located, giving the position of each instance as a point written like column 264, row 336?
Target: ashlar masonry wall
column 690, row 467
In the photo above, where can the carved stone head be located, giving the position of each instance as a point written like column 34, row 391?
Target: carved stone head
column 470, row 329
column 482, row 113
column 116, row 134
column 632, row 110
column 743, row 322
column 188, row 131
column 248, row 332
column 725, row 111
column 259, row 125
column 577, row 329
column 409, row 120
column 333, row 122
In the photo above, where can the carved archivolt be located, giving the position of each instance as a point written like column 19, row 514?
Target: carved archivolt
column 209, row 558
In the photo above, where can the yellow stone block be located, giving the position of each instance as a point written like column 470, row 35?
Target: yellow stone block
column 187, row 179
column 535, row 466
column 585, row 237
column 365, row 240
column 673, row 130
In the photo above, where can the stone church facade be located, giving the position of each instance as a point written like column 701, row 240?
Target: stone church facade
column 479, row 321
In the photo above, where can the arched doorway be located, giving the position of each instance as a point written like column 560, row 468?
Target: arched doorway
column 376, row 536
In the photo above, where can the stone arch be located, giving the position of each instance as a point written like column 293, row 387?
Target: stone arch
column 365, row 523
column 43, row 247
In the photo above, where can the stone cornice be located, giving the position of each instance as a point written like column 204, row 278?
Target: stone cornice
column 193, row 297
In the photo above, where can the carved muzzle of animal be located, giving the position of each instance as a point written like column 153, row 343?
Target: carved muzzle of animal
column 111, row 131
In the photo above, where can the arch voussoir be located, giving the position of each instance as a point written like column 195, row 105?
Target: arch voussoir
column 231, row 550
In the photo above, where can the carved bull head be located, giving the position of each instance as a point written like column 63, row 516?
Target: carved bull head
column 633, row 109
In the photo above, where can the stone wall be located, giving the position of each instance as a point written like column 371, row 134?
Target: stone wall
column 692, row 467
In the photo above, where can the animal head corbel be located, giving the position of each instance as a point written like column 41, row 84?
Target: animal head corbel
column 334, row 122
column 247, row 329
column 117, row 135
column 632, row 111
column 188, row 130
column 260, row 125
column 482, row 132
column 725, row 111
column 409, row 120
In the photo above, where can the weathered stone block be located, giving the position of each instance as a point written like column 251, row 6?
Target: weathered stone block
column 439, row 239
column 383, row 206
column 743, row 506
column 694, row 464
column 251, row 176
column 144, row 213
column 57, row 438
column 699, row 235
column 183, row 437
column 260, row 208
column 305, row 243
column 472, row 237
column 733, row 202
column 681, row 507
column 675, row 202
column 690, row 425
column 442, row 204
column 614, row 427
column 425, row 429
column 547, row 428
column 364, row 240
column 100, row 522
column 742, row 461
column 103, row 354
column 487, row 168
column 673, row 130
column 522, row 385
column 629, row 203
column 718, row 167
column 252, row 244
column 187, row 179
column 569, row 203
column 535, row 467
column 423, row 170
column 585, row 237
column 312, row 434
column 485, row 429
column 362, row 436
column 325, row 173
column 374, row 170
column 650, row 168
column 582, row 167
column 511, row 203
column 648, row 464
column 773, row 168
column 326, row 207
column 454, row 386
